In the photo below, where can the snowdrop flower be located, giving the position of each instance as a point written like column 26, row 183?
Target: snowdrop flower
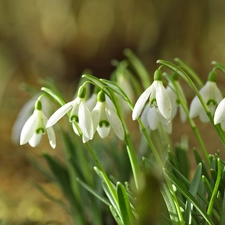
column 219, row 116
column 175, row 100
column 152, row 119
column 211, row 95
column 35, row 127
column 104, row 117
column 158, row 98
column 80, row 115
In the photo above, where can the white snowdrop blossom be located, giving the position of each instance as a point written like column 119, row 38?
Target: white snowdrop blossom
column 211, row 96
column 79, row 116
column 158, row 99
column 175, row 100
column 35, row 127
column 152, row 119
column 104, row 117
column 219, row 116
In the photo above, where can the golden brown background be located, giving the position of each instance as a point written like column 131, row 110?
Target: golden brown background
column 61, row 38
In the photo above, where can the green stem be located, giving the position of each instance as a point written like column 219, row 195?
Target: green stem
column 189, row 71
column 216, row 187
column 133, row 159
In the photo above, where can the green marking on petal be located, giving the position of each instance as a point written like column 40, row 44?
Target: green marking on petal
column 153, row 103
column 211, row 102
column 104, row 122
column 178, row 101
column 40, row 130
column 74, row 118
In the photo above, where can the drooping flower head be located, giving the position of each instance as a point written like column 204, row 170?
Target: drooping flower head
column 79, row 115
column 35, row 127
column 157, row 96
column 171, row 89
column 211, row 96
column 104, row 117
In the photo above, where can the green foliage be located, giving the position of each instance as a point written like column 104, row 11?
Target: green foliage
column 106, row 182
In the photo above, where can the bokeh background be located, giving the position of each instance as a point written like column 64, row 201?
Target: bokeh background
column 60, row 39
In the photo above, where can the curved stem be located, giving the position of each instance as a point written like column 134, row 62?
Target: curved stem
column 180, row 72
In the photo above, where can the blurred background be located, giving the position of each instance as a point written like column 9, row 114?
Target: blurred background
column 61, row 38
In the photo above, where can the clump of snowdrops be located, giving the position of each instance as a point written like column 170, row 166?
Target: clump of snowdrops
column 120, row 166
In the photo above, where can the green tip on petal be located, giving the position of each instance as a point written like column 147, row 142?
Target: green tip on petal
column 158, row 75
column 212, row 76
column 81, row 92
column 101, row 96
column 38, row 105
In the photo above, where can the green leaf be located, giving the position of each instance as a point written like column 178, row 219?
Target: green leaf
column 198, row 160
column 170, row 205
column 95, row 81
column 222, row 216
column 62, row 177
column 118, row 90
column 181, row 155
column 115, row 215
column 190, row 71
column 124, row 204
column 188, row 195
column 53, row 95
column 193, row 190
column 92, row 191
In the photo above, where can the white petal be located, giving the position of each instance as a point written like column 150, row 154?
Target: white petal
column 163, row 100
column 51, row 137
column 173, row 99
column 207, row 90
column 35, row 139
column 58, row 114
column 85, row 120
column 218, row 94
column 91, row 102
column 50, row 132
column 223, row 125
column 103, row 131
column 115, row 123
column 85, row 139
column 153, row 119
column 203, row 117
column 75, row 128
column 22, row 117
column 168, row 127
column 144, row 116
column 195, row 107
column 141, row 103
column 95, row 115
column 219, row 115
column 28, row 129
column 183, row 115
